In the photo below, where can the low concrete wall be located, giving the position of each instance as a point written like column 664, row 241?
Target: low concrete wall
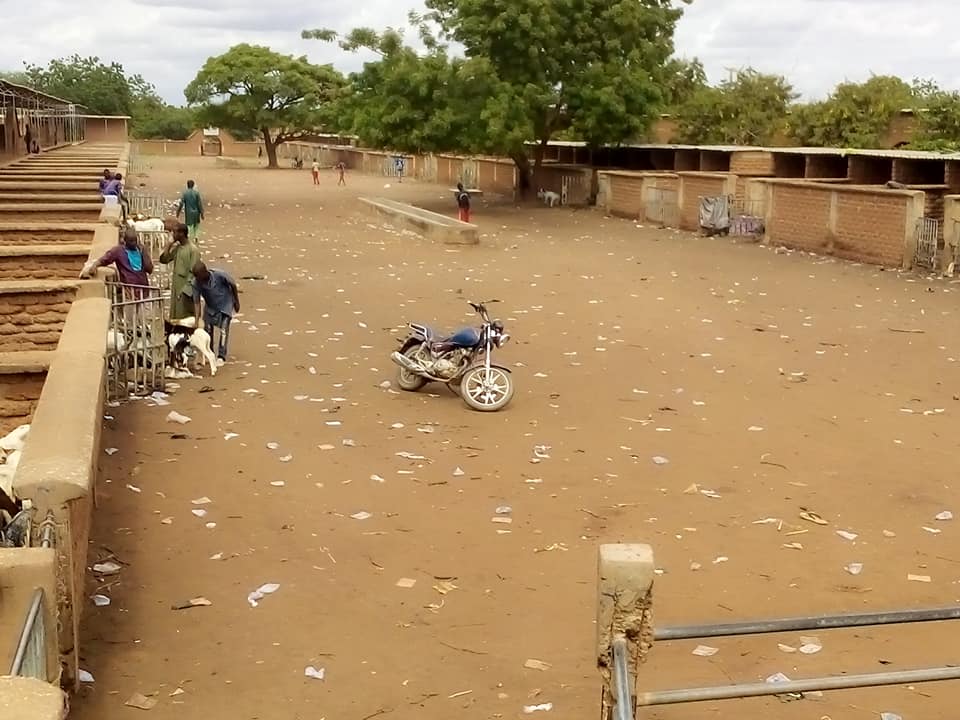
column 57, row 471
column 424, row 222
column 865, row 224
column 33, row 313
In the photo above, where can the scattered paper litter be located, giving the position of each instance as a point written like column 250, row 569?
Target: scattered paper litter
column 854, row 568
column 786, row 648
column 85, row 677
column 202, row 501
column 273, row 445
column 278, row 483
column 932, row 531
column 847, row 535
column 362, row 515
column 721, row 559
column 141, row 702
column 890, row 716
column 316, row 673
column 532, row 664
column 543, row 707
column 778, row 678
column 810, row 645
column 133, row 488
column 377, row 478
column 660, row 460
column 261, row 592
column 705, row 651
column 406, row 583
column 918, row 578
column 110, row 451
column 286, row 458
column 458, row 472
column 175, row 417
column 191, row 603
column 101, row 600
column 813, row 517
column 945, row 515
column 199, row 512
column 230, row 435
column 107, row 568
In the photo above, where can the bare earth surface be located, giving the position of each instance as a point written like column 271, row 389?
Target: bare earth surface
column 771, row 381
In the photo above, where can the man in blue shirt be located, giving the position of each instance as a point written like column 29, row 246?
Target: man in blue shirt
column 221, row 300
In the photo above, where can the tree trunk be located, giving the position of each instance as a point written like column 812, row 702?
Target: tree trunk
column 523, row 172
column 271, row 148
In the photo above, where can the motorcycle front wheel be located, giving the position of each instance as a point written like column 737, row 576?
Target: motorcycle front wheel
column 486, row 390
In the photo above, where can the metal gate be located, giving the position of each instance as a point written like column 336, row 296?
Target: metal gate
column 746, row 220
column 661, row 207
column 149, row 204
column 468, row 173
column 155, row 243
column 927, row 234
column 136, row 347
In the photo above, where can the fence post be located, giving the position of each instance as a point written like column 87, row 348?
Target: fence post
column 624, row 608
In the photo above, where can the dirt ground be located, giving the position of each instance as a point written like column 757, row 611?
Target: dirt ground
column 773, row 382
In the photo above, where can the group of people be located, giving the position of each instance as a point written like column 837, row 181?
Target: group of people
column 193, row 286
column 340, row 167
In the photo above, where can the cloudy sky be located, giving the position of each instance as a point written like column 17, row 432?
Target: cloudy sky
column 816, row 43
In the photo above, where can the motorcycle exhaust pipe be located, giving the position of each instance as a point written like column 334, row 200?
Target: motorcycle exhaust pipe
column 405, row 362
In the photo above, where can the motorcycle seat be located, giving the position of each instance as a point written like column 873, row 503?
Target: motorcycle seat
column 463, row 338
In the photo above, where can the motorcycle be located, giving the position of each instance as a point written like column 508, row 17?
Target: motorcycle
column 463, row 358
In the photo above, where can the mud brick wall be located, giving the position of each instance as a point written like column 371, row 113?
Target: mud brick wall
column 865, row 226
column 495, row 176
column 40, row 267
column 33, row 320
column 625, row 198
column 694, row 187
column 43, row 237
column 800, row 217
column 752, row 162
column 870, row 228
column 19, row 394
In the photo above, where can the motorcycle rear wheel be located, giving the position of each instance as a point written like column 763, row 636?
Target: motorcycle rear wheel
column 486, row 394
column 407, row 380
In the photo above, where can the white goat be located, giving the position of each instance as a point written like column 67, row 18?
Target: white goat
column 549, row 198
column 148, row 225
column 12, row 447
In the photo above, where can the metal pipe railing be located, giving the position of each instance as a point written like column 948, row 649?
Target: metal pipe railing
column 623, row 709
column 31, row 637
column 842, row 682
column 816, row 622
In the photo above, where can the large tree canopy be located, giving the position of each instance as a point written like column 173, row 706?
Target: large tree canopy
column 254, row 88
column 101, row 88
column 531, row 69
column 749, row 108
column 854, row 115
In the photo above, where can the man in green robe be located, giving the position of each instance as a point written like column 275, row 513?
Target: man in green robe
column 184, row 255
column 191, row 205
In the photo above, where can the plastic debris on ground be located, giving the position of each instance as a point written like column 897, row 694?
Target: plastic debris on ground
column 261, row 592
column 705, row 651
column 176, row 417
column 543, row 707
column 316, row 673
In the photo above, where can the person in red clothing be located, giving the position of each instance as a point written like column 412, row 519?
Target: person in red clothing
column 463, row 203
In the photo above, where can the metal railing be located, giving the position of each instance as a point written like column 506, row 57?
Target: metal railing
column 155, row 243
column 622, row 685
column 149, row 204
column 30, row 656
column 136, row 349
column 927, row 234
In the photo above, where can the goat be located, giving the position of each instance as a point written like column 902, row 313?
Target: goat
column 182, row 334
column 549, row 198
column 11, row 447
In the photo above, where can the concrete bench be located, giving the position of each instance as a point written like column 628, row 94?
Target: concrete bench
column 424, row 222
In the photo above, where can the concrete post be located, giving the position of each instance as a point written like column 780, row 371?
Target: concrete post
column 624, row 607
column 915, row 208
column 951, row 232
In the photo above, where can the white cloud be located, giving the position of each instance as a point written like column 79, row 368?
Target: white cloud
column 815, row 43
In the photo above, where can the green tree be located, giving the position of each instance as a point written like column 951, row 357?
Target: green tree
column 855, row 115
column 15, row 76
column 280, row 96
column 747, row 109
column 162, row 121
column 404, row 100
column 936, row 117
column 536, row 68
column 681, row 79
column 102, row 89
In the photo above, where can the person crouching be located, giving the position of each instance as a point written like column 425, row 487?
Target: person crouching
column 221, row 301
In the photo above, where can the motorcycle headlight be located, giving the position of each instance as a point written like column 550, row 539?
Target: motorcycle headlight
column 502, row 339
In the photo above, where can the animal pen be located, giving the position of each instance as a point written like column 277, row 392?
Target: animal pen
column 136, row 346
column 148, row 204
column 625, row 636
